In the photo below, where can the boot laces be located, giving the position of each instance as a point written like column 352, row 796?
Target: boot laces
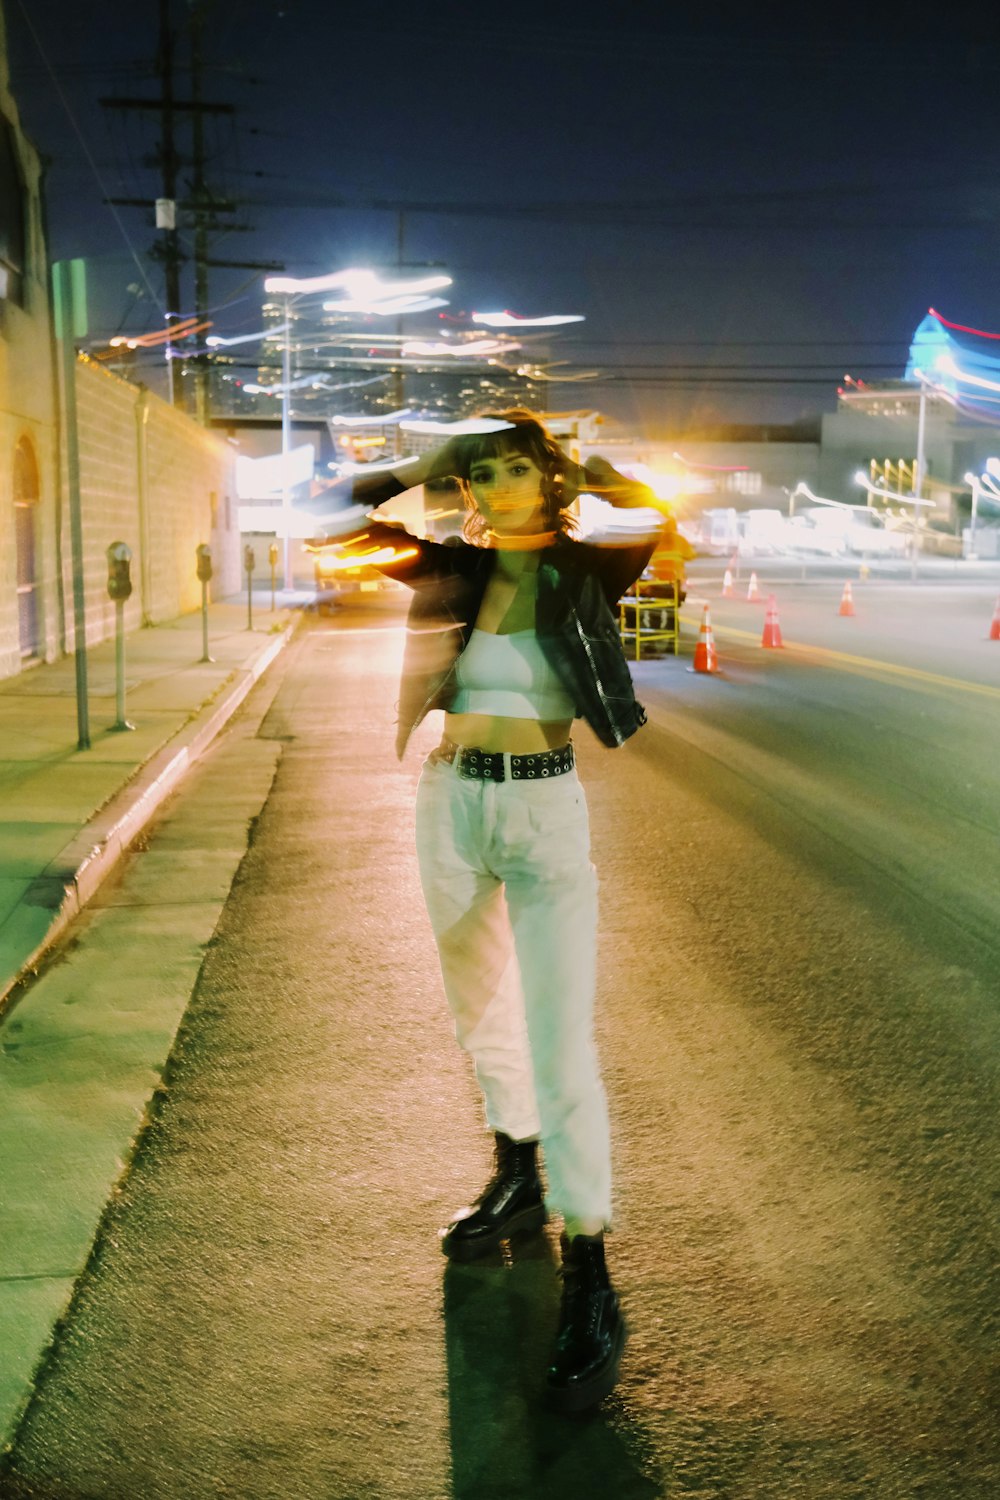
column 578, row 1306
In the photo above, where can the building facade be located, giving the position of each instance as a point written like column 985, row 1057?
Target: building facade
column 29, row 562
column 148, row 475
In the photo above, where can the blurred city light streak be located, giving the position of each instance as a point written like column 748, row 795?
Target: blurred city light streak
column 216, row 341
column 387, row 307
column 947, row 365
column 162, row 336
column 862, row 479
column 366, row 420
column 463, row 428
column 377, row 558
column 962, row 327
column 473, row 349
column 346, row 467
column 512, row 320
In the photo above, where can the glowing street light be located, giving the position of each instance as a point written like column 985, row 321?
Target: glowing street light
column 363, row 291
column 864, row 481
column 511, row 320
column 472, row 349
column 975, row 483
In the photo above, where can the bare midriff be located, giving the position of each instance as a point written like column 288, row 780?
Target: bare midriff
column 508, row 606
column 516, row 736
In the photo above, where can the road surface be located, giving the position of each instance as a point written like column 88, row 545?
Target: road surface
column 800, row 1029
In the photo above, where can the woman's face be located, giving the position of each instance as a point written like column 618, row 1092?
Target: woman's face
column 508, row 493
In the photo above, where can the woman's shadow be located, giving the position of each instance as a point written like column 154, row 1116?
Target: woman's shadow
column 500, row 1320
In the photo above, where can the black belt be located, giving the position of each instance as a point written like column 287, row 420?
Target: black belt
column 488, row 765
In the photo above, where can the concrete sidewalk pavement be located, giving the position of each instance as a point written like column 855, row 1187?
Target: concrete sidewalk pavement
column 67, row 815
column 85, row 1037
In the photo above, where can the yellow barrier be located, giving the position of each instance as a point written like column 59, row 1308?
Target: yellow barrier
column 649, row 595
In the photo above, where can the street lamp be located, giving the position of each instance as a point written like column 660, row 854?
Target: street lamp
column 975, row 484
column 361, row 291
column 863, row 480
column 288, row 287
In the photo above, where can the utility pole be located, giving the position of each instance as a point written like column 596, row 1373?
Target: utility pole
column 171, row 248
column 199, row 194
column 201, row 204
column 399, row 379
column 69, row 287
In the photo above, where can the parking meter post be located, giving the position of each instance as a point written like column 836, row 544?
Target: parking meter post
column 272, row 557
column 204, row 623
column 203, row 553
column 119, row 557
column 249, row 561
column 120, row 722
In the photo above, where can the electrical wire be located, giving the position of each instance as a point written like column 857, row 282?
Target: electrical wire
column 87, row 153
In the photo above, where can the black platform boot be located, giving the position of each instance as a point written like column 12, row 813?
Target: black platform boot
column 591, row 1334
column 511, row 1203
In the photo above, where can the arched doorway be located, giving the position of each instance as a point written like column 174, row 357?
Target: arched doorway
column 26, row 543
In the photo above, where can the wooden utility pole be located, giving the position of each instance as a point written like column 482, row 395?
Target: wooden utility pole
column 170, row 252
column 201, row 206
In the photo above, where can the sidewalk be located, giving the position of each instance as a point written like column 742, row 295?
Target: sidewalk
column 67, row 815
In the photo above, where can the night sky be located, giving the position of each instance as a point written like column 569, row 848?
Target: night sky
column 745, row 202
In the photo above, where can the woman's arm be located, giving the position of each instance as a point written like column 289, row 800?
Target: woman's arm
column 387, row 545
column 619, row 553
column 597, row 477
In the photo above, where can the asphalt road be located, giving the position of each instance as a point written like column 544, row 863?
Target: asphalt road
column 800, row 1027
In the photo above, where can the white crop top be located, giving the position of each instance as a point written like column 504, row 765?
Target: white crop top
column 508, row 677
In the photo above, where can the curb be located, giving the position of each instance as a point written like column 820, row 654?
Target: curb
column 89, row 858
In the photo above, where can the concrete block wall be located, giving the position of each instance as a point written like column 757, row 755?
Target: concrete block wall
column 27, row 409
column 152, row 478
column 27, row 417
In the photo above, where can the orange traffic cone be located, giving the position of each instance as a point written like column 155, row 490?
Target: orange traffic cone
column 994, row 634
column 753, row 592
column 727, row 585
column 772, row 629
column 706, row 658
column 847, row 601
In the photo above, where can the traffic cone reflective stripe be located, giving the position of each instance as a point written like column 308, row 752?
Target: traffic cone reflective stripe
column 847, row 601
column 994, row 634
column 727, row 585
column 753, row 592
column 706, row 658
column 772, row 629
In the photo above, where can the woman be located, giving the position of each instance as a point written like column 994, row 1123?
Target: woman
column 512, row 633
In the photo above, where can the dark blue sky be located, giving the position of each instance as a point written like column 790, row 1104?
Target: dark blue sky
column 746, row 195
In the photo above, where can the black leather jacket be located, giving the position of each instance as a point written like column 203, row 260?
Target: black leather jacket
column 579, row 585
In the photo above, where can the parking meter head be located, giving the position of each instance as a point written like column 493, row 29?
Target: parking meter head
column 119, row 556
column 249, row 560
column 203, row 552
column 273, row 554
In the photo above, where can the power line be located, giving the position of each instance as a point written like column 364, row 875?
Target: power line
column 87, row 152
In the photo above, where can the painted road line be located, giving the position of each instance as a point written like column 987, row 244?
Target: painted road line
column 868, row 665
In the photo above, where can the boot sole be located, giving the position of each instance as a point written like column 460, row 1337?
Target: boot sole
column 528, row 1221
column 578, row 1398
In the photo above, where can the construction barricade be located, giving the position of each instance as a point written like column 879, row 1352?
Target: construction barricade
column 649, row 616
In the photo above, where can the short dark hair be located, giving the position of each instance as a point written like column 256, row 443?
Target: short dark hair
column 526, row 435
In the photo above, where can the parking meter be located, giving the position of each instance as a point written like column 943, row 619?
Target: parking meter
column 119, row 557
column 272, row 557
column 248, row 563
column 203, row 555
column 119, row 571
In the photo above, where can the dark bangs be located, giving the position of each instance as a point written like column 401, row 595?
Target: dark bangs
column 526, row 436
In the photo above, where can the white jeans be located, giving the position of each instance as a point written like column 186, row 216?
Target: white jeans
column 512, row 898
